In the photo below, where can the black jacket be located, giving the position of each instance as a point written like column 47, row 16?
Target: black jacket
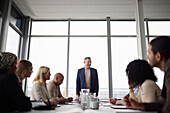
column 12, row 97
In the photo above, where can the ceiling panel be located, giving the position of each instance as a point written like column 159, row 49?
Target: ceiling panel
column 91, row 9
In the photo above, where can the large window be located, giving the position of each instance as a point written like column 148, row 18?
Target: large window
column 88, row 28
column 159, row 27
column 51, row 41
column 50, row 52
column 14, row 31
column 12, row 44
column 124, row 50
column 96, row 48
column 88, row 46
column 50, row 28
column 123, row 28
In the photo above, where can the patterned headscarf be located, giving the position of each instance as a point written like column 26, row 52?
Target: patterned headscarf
column 6, row 60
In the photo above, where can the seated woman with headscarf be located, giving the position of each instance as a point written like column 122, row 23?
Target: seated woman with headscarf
column 11, row 95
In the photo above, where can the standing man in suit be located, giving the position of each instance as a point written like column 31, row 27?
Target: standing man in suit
column 87, row 78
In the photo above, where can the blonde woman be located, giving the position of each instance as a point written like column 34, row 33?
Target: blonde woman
column 39, row 89
column 24, row 70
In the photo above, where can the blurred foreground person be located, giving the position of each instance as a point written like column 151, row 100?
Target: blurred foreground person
column 11, row 94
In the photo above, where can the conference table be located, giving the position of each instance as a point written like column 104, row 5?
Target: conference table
column 76, row 108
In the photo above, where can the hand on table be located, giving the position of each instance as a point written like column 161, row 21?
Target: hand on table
column 126, row 101
column 112, row 101
column 69, row 99
column 136, row 105
column 131, row 103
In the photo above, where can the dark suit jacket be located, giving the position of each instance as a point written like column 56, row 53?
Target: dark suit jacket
column 81, row 81
column 163, row 106
column 12, row 97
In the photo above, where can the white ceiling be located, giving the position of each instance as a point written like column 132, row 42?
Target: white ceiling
column 91, row 9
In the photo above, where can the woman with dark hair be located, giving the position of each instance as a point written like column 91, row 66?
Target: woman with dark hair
column 11, row 94
column 140, row 72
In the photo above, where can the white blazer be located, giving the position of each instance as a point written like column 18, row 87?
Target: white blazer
column 39, row 92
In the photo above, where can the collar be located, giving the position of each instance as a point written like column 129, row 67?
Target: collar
column 86, row 68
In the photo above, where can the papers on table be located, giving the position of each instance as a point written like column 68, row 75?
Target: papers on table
column 106, row 104
column 118, row 107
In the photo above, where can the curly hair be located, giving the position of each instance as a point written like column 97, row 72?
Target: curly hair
column 138, row 71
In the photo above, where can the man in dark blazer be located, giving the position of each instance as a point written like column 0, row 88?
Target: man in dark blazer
column 87, row 78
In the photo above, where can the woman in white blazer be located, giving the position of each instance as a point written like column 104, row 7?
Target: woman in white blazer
column 39, row 89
